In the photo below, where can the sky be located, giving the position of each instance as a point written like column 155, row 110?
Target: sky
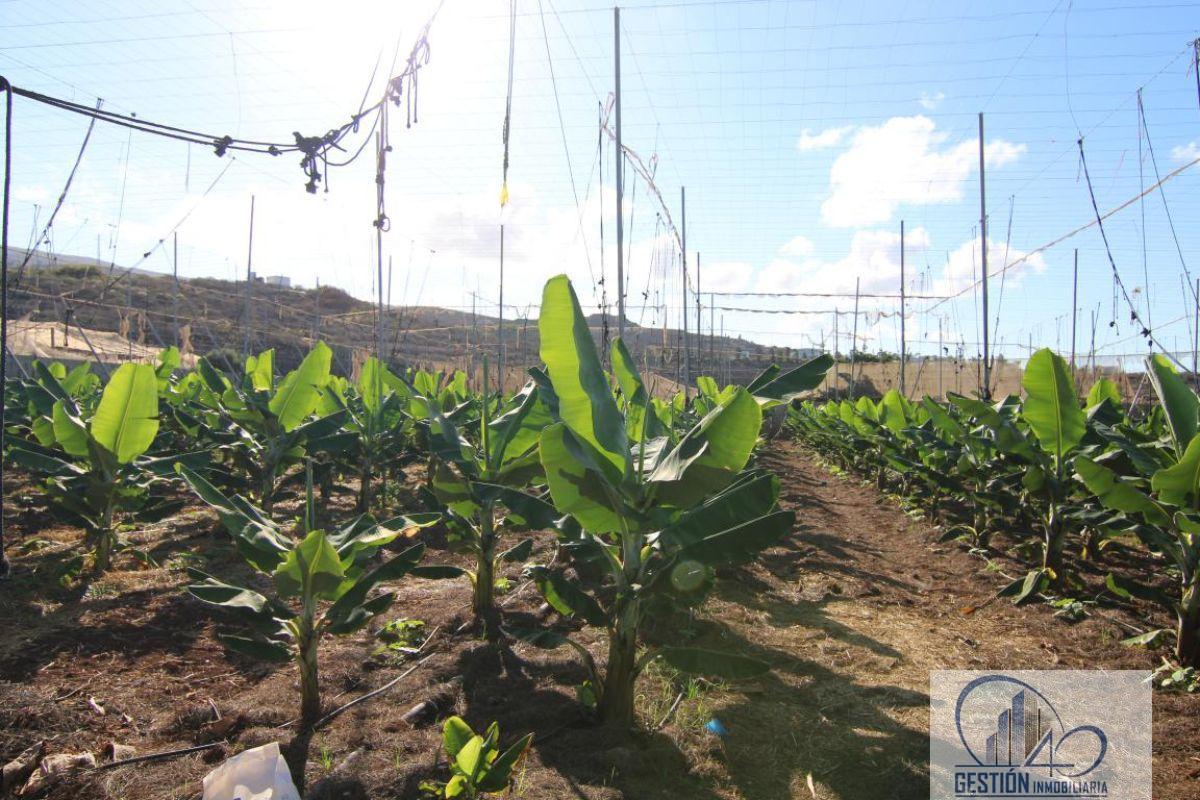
column 806, row 133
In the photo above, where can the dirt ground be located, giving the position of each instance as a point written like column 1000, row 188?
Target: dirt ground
column 852, row 612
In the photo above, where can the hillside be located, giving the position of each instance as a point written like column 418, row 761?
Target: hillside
column 206, row 316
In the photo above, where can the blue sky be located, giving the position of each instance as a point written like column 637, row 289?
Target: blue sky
column 804, row 133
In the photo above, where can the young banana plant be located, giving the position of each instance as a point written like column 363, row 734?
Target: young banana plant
column 376, row 429
column 658, row 516
column 477, row 764
column 330, row 567
column 92, row 457
column 1168, row 509
column 268, row 422
column 476, row 480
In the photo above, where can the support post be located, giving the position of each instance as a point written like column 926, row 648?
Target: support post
column 699, row 325
column 619, row 167
column 500, row 322
column 175, row 291
column 983, row 244
column 683, row 313
column 903, row 353
column 836, row 336
column 1074, row 308
column 249, row 280
column 941, row 357
column 1195, row 338
column 854, row 341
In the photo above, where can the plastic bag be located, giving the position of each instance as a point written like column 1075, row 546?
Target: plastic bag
column 258, row 774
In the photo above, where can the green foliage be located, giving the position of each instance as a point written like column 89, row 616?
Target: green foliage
column 477, row 764
column 321, row 568
column 92, row 455
column 658, row 514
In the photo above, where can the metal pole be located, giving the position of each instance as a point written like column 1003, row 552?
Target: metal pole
column 687, row 360
column 249, row 278
column 712, row 340
column 903, row 353
column 619, row 167
column 1195, row 340
column 987, row 367
column 175, row 275
column 6, row 87
column 1074, row 308
column 941, row 358
column 854, row 341
column 699, row 325
column 836, row 342
column 500, row 323
column 387, row 306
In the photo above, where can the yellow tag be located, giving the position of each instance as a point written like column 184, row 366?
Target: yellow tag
column 504, row 195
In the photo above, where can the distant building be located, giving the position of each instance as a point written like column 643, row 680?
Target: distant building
column 282, row 281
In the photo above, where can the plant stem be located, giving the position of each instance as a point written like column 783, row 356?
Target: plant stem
column 306, row 661
column 620, row 674
column 105, row 537
column 483, row 600
column 1187, row 642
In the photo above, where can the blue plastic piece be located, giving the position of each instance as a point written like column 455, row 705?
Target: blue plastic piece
column 716, row 727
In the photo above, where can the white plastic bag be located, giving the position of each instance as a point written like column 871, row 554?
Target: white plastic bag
column 258, row 774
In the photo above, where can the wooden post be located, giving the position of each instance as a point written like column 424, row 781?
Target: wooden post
column 836, row 377
column 941, row 356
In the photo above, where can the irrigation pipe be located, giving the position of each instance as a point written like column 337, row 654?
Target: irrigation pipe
column 124, row 762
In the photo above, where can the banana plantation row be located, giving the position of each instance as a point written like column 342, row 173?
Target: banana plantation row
column 646, row 497
column 1062, row 475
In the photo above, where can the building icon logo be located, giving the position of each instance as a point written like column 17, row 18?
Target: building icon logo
column 1011, row 735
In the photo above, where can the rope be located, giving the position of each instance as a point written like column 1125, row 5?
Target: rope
column 512, row 57
column 1133, row 314
column 62, row 196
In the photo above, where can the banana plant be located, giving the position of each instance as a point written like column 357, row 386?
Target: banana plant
column 1051, row 410
column 657, row 517
column 477, row 480
column 1168, row 509
column 91, row 456
column 377, row 428
column 332, row 567
column 477, row 764
column 263, row 424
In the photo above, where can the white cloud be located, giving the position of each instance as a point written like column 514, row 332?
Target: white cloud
column 820, row 141
column 905, row 160
column 1186, row 152
column 797, row 247
column 931, row 100
column 962, row 265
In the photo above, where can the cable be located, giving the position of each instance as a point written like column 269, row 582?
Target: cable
column 62, row 196
column 1133, row 315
